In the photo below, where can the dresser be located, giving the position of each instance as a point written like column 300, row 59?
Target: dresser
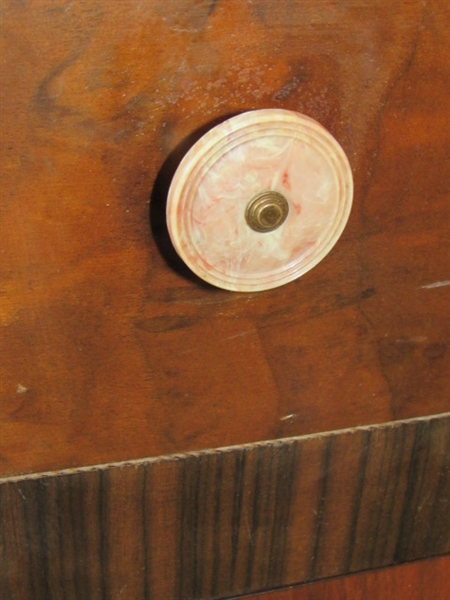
column 163, row 438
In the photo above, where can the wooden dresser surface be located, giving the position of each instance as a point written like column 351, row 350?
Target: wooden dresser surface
column 112, row 351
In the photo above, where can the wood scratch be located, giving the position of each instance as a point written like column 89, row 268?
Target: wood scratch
column 436, row 284
column 415, row 339
column 232, row 337
column 121, row 591
column 287, row 417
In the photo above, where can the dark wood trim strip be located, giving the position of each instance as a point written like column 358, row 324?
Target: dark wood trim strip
column 226, row 522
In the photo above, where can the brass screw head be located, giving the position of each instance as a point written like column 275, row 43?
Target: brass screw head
column 266, row 211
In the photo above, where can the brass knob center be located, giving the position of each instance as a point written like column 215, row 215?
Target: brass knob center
column 266, row 211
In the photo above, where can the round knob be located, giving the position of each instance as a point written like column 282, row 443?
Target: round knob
column 259, row 200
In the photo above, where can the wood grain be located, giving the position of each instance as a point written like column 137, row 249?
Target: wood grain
column 111, row 350
column 218, row 523
column 421, row 580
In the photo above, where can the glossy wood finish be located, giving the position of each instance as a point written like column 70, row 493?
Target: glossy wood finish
column 220, row 523
column 422, row 580
column 111, row 350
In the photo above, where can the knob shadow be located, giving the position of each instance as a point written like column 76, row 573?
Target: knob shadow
column 158, row 202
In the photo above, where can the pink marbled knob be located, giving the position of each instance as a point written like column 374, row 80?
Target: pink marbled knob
column 259, row 200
